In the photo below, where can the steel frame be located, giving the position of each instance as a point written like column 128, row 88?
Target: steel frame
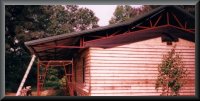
column 41, row 74
column 154, row 25
column 82, row 41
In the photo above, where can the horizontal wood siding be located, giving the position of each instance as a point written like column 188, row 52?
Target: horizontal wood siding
column 131, row 70
column 82, row 88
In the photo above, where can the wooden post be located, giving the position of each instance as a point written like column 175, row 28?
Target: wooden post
column 38, row 79
column 73, row 76
column 66, row 80
column 25, row 75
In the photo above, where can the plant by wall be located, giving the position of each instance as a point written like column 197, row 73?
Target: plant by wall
column 52, row 80
column 171, row 74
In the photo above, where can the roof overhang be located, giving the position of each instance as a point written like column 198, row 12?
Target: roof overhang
column 62, row 47
column 140, row 35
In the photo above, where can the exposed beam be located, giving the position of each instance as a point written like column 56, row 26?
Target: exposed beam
column 177, row 20
column 106, row 35
column 153, row 28
column 96, row 36
column 167, row 18
column 187, row 30
column 144, row 27
column 60, row 61
column 61, row 46
column 157, row 21
column 115, row 33
column 45, row 50
column 191, row 29
column 35, row 52
column 50, row 54
column 185, row 25
column 128, row 32
column 151, row 25
column 55, row 50
column 81, row 41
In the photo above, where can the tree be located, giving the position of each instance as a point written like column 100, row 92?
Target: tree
column 70, row 20
column 24, row 23
column 123, row 13
column 18, row 20
column 189, row 8
column 172, row 74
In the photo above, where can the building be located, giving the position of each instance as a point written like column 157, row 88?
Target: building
column 120, row 59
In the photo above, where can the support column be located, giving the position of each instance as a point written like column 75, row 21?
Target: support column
column 25, row 75
column 73, row 77
column 38, row 79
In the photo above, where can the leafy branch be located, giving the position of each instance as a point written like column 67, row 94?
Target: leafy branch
column 171, row 74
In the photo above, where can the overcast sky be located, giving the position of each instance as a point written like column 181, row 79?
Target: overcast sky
column 103, row 12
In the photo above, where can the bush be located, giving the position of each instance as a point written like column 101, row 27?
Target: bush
column 172, row 74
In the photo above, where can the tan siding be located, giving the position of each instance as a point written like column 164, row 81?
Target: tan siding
column 131, row 69
column 82, row 88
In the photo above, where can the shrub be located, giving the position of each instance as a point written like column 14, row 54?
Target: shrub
column 171, row 74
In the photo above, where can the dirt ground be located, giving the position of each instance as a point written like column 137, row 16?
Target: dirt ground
column 50, row 92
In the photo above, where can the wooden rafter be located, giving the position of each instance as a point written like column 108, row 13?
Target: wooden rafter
column 185, row 25
column 128, row 32
column 95, row 36
column 144, row 27
column 55, row 49
column 151, row 25
column 157, row 20
column 167, row 18
column 81, row 40
column 115, row 33
column 45, row 50
column 60, row 46
column 177, row 20
column 187, row 30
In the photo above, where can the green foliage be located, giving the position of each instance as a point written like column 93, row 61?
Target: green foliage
column 172, row 74
column 121, row 14
column 125, row 12
column 52, row 79
column 29, row 22
column 70, row 20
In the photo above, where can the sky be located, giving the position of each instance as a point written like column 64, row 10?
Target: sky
column 104, row 12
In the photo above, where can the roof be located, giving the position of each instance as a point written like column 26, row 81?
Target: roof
column 73, row 39
column 139, row 36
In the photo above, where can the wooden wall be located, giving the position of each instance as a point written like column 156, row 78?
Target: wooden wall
column 81, row 88
column 131, row 70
